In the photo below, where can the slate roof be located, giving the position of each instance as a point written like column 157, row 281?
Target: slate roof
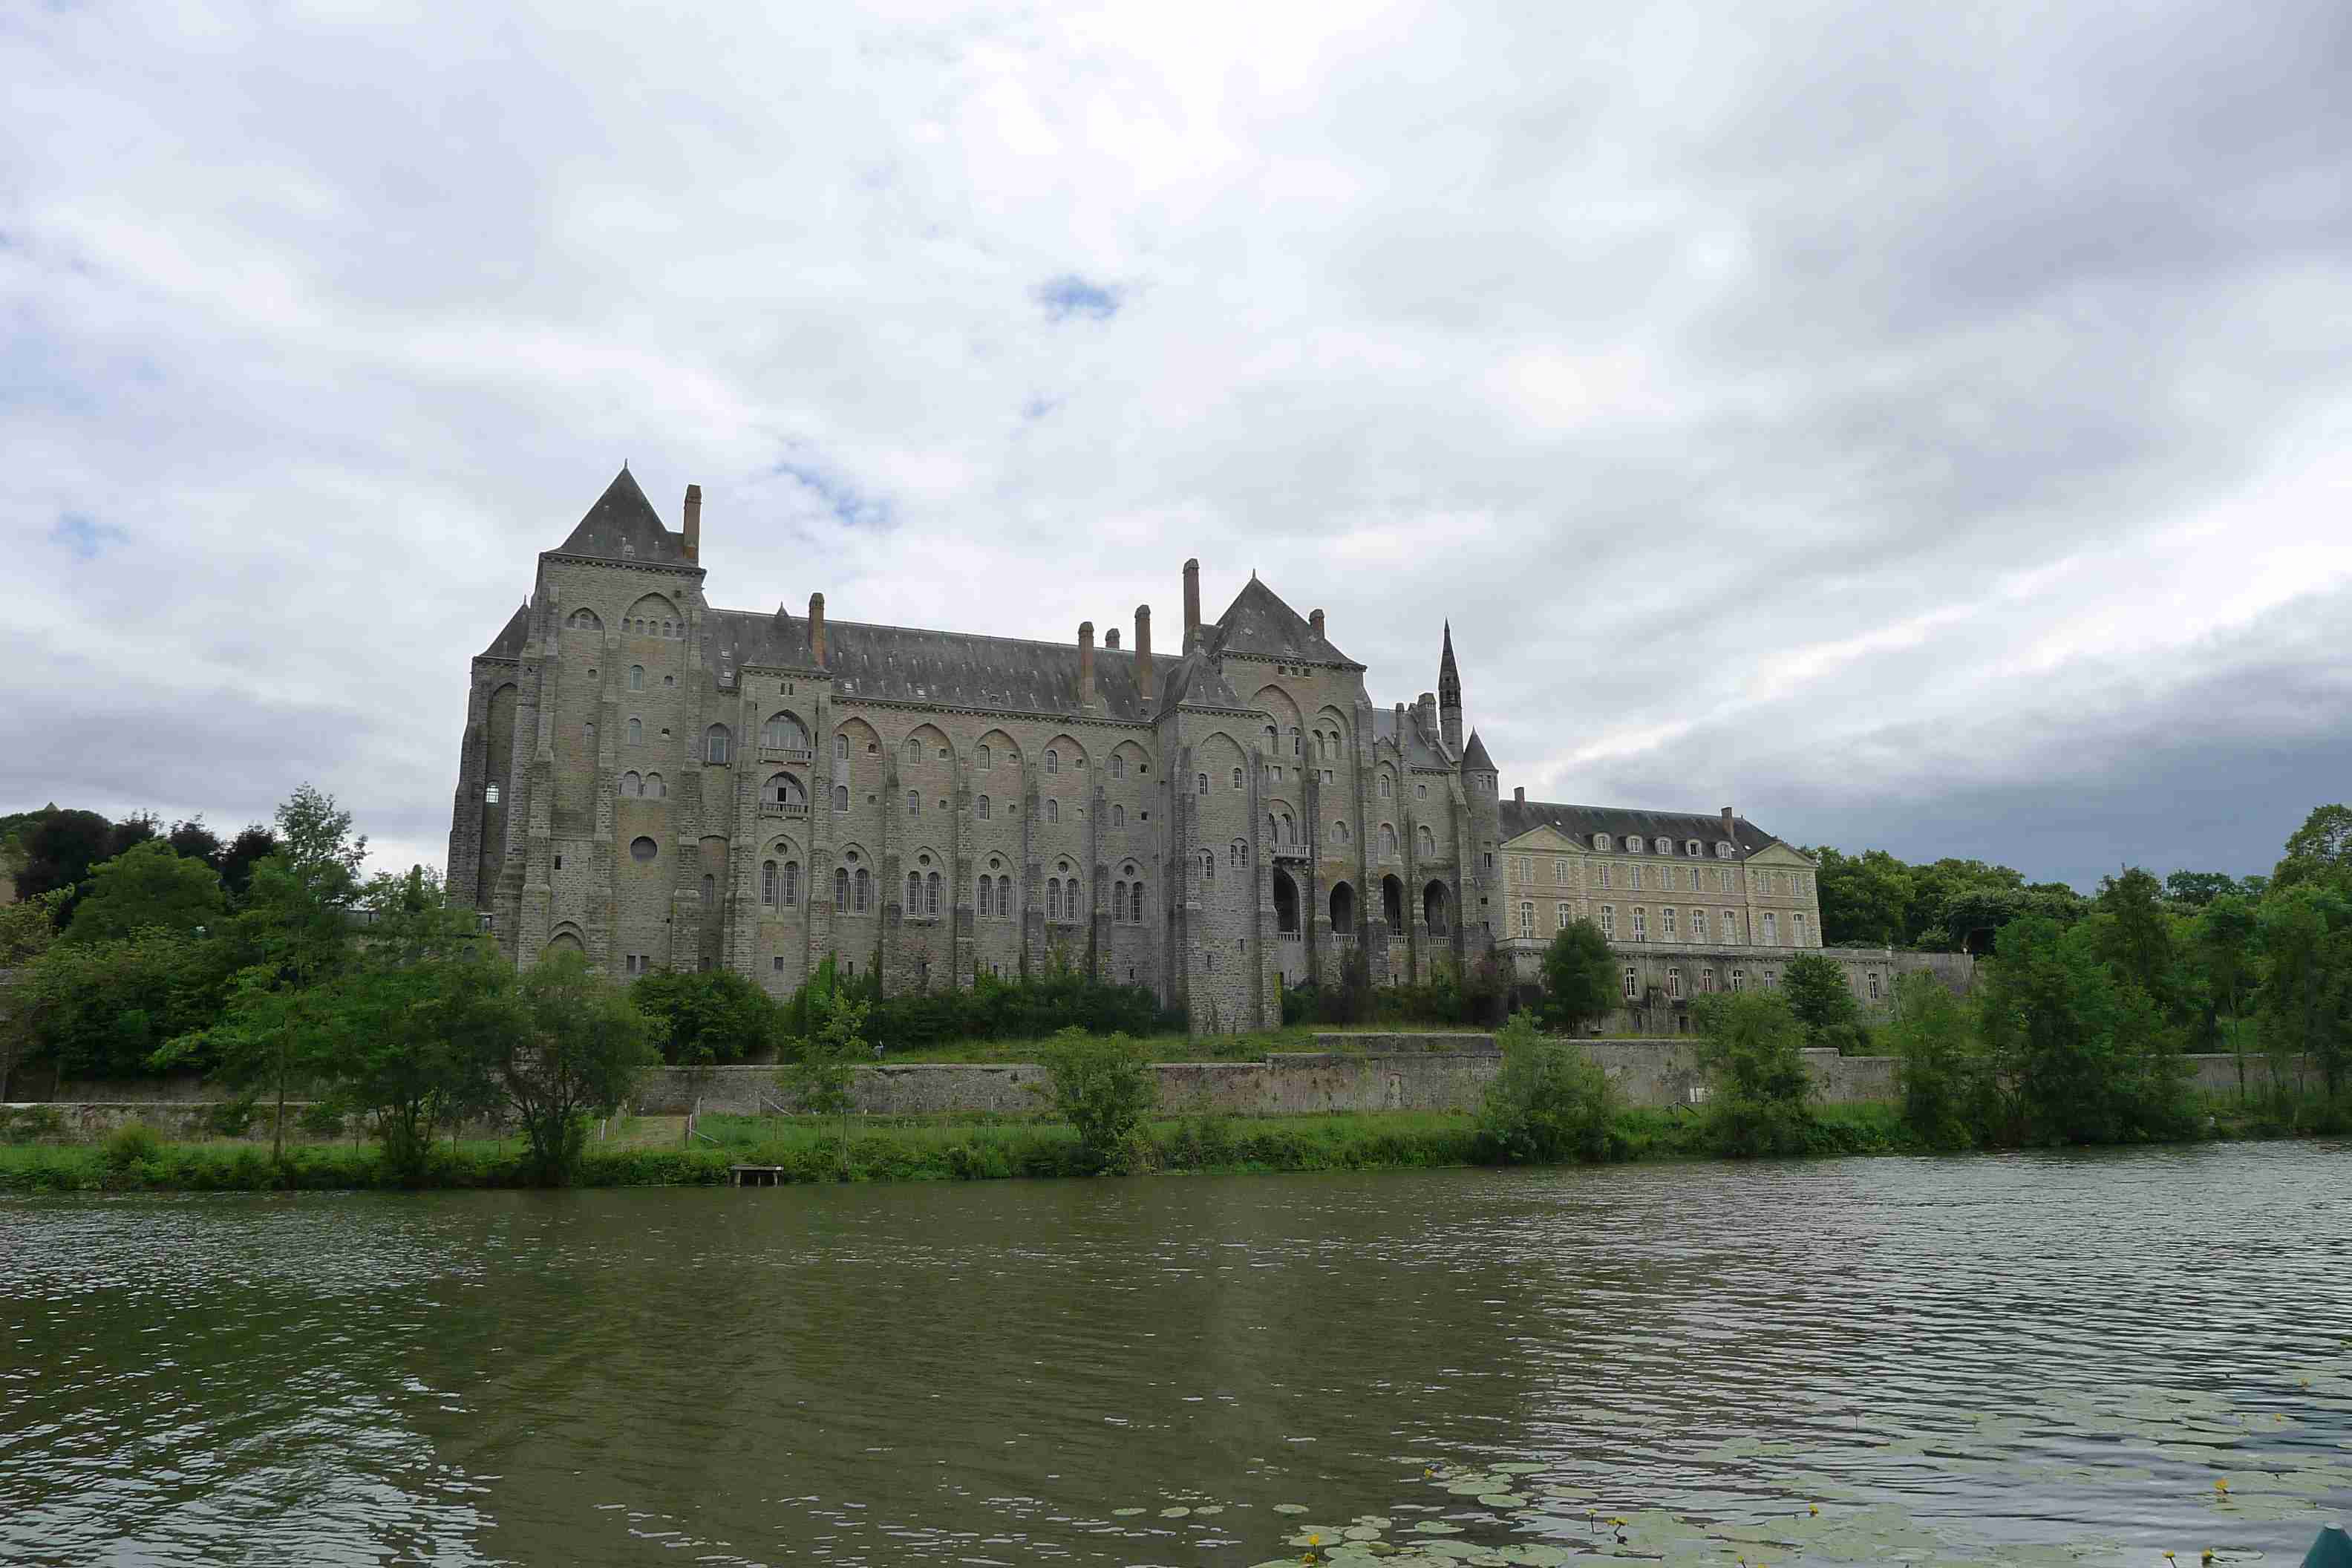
column 623, row 526
column 1473, row 755
column 508, row 643
column 1581, row 822
column 1258, row 622
column 1420, row 751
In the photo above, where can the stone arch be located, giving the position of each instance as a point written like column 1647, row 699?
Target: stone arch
column 1283, row 714
column 783, row 789
column 865, row 741
column 1343, row 907
column 654, row 615
column 785, row 731
column 1392, row 902
column 1129, row 762
column 1068, row 757
column 1436, row 901
column 932, row 739
column 1002, row 751
column 1328, row 718
column 1218, row 753
column 1285, row 903
column 582, row 619
column 1384, row 783
column 1282, row 830
column 565, row 937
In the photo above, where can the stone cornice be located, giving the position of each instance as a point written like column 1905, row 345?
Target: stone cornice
column 630, row 563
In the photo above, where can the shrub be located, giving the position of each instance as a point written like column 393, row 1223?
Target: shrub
column 230, row 1117
column 1940, row 1071
column 324, row 1120
column 1102, row 1085
column 1751, row 1046
column 132, row 1143
column 1550, row 1102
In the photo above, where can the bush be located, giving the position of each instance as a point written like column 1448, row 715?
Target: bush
column 1939, row 1069
column 1751, row 1046
column 1550, row 1102
column 132, row 1143
column 230, row 1117
column 1102, row 1085
column 706, row 1018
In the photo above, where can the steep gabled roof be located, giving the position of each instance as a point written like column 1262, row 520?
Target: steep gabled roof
column 1581, row 822
column 1475, row 759
column 623, row 526
column 1257, row 622
column 1196, row 681
column 1421, row 751
column 508, row 643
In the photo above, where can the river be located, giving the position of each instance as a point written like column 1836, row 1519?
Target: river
column 2045, row 1357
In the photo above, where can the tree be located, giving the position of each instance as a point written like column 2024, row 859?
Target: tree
column 1102, row 1085
column 420, row 1020
column 706, row 1018
column 147, row 886
column 27, row 927
column 60, row 848
column 823, row 1081
column 2133, row 933
column 2318, row 851
column 1750, row 1045
column 1863, row 898
column 192, row 840
column 1934, row 1042
column 578, row 1055
column 248, row 848
column 2073, row 1053
column 2306, row 936
column 2199, row 887
column 1580, row 975
column 102, row 1010
column 1548, row 1102
column 2221, row 950
column 1817, row 993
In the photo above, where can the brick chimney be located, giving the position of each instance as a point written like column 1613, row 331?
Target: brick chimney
column 1192, row 603
column 1726, row 819
column 1521, row 795
column 1146, row 682
column 1314, row 622
column 816, row 629
column 1085, row 664
column 1110, row 638
column 694, row 522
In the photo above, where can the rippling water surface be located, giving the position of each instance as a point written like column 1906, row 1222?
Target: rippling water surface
column 2045, row 1357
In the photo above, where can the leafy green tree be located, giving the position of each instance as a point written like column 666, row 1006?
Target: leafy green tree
column 2221, row 953
column 1815, row 987
column 102, row 1010
column 2075, row 1053
column 1751, row 1045
column 578, row 1056
column 1934, row 1041
column 1863, row 898
column 2199, row 887
column 1102, row 1085
column 822, row 1079
column 420, row 1020
column 59, row 848
column 2133, row 934
column 2318, row 851
column 1580, row 975
column 1548, row 1102
column 706, row 1018
column 147, row 885
column 2306, row 936
column 27, row 927
column 192, row 840
column 247, row 850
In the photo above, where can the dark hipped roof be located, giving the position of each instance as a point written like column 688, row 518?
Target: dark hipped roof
column 1473, row 755
column 623, row 526
column 1258, row 622
column 1581, row 822
column 508, row 643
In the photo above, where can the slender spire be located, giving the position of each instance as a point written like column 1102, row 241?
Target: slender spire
column 1449, row 696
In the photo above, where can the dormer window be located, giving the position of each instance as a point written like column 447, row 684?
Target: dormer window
column 1633, row 844
column 1600, row 843
column 1723, row 850
column 1693, row 849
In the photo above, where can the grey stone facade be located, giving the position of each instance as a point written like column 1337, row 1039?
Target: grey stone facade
column 662, row 784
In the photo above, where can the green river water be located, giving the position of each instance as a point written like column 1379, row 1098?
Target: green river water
column 2037, row 1358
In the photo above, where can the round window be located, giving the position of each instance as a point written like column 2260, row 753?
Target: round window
column 643, row 848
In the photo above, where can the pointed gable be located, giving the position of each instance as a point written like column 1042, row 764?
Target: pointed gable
column 1475, row 759
column 508, row 643
column 1258, row 623
column 623, row 526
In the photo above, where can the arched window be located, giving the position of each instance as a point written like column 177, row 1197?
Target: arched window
column 980, row 807
column 654, row 788
column 1295, row 742
column 1118, row 901
column 1428, row 842
column 585, row 620
column 1053, row 761
column 1053, row 898
column 1273, row 739
column 1392, row 903
column 1117, row 816
column 1118, row 766
column 1135, row 902
column 914, row 894
column 931, row 894
column 636, row 732
column 979, row 759
column 636, row 678
column 1340, row 832
column 1343, row 907
column 1285, row 904
column 783, row 789
column 865, row 888
column 709, row 888
column 914, row 750
column 792, row 883
column 784, row 732
column 1200, row 783
column 841, row 747
column 715, row 741
column 1053, row 811
column 1600, row 842
column 1698, row 925
column 1208, row 866
column 768, row 883
column 1237, row 778
column 1388, row 787
column 1236, row 852
column 1289, row 829
column 1692, row 849
column 1388, row 839
column 841, row 889
column 841, row 797
column 914, row 803
column 1633, row 844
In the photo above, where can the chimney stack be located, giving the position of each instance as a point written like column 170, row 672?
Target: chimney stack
column 1085, row 664
column 1110, row 638
column 1146, row 683
column 1192, row 603
column 816, row 629
column 1314, row 622
column 694, row 522
column 1521, row 795
column 1726, row 819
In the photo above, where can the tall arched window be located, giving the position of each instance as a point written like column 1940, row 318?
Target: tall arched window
column 985, row 897
column 1428, row 842
column 768, row 883
column 913, row 750
column 1117, row 816
column 914, row 894
column 632, row 783
column 1135, row 902
column 841, row 797
column 1053, row 761
column 654, row 789
column 980, row 759
column 1237, row 778
column 1208, row 866
column 791, row 884
column 784, row 732
column 1289, row 829
column 1118, row 766
column 1236, row 852
column 1118, row 901
column 1053, row 811
column 1388, row 787
column 715, row 741
column 841, row 888
column 1388, row 839
column 636, row 678
column 636, row 732
column 931, row 894
column 865, row 888
column 1202, row 784
column 1053, row 898
column 914, row 803
column 1295, row 742
column 980, row 807
column 709, row 888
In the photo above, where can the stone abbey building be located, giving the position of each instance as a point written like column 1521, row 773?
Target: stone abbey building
column 657, row 784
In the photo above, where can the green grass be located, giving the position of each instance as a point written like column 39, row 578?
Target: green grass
column 1177, row 1047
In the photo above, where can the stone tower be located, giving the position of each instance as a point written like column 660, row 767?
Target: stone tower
column 1449, row 696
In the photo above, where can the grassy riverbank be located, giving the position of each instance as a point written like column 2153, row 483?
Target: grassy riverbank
column 908, row 1150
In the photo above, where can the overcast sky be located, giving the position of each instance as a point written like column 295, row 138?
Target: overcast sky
column 1922, row 426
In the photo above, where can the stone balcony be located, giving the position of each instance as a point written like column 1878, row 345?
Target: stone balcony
column 786, row 754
